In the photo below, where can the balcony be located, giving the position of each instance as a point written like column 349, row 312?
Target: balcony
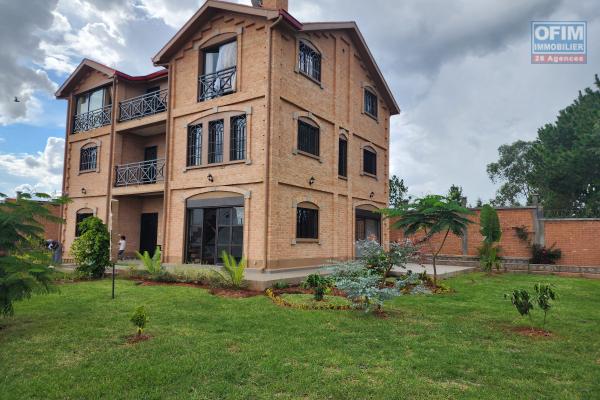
column 140, row 173
column 216, row 84
column 141, row 106
column 92, row 119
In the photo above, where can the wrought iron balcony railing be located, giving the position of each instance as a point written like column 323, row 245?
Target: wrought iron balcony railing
column 141, row 106
column 140, row 173
column 92, row 119
column 216, row 84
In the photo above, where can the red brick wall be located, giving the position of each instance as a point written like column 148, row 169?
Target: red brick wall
column 579, row 240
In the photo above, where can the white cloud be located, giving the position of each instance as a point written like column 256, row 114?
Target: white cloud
column 41, row 170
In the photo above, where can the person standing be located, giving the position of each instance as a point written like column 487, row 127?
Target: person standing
column 122, row 246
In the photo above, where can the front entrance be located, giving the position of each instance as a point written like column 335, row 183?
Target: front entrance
column 212, row 230
column 148, row 232
column 368, row 226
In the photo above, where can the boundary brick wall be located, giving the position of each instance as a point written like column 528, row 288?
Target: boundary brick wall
column 578, row 239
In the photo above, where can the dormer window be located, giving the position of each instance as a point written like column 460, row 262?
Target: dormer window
column 370, row 103
column 218, row 72
column 309, row 61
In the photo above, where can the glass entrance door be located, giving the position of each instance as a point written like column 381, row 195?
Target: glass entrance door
column 368, row 226
column 212, row 231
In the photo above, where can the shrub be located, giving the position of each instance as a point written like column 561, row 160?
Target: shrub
column 543, row 255
column 522, row 301
column 281, row 285
column 234, row 269
column 545, row 296
column 319, row 284
column 152, row 264
column 489, row 257
column 489, row 254
column 365, row 291
column 382, row 261
column 140, row 319
column 91, row 250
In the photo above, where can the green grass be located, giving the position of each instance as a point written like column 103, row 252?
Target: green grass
column 459, row 345
column 309, row 300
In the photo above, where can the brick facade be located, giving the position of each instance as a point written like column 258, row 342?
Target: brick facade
column 274, row 177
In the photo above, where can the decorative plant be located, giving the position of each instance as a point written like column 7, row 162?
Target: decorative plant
column 522, row 301
column 234, row 270
column 91, row 249
column 23, row 264
column 319, row 284
column 382, row 261
column 545, row 296
column 544, row 255
column 431, row 215
column 152, row 264
column 139, row 318
column 365, row 291
column 489, row 253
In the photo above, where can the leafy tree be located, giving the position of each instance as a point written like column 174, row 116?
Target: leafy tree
column 455, row 193
column 545, row 296
column 91, row 249
column 521, row 299
column 479, row 202
column 490, row 225
column 432, row 215
column 398, row 191
column 382, row 261
column 23, row 262
column 319, row 284
column 139, row 318
column 514, row 171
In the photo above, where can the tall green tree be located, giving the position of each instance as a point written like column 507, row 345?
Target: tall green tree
column 562, row 164
column 513, row 171
column 431, row 215
column 23, row 264
column 398, row 192
column 490, row 229
column 455, row 193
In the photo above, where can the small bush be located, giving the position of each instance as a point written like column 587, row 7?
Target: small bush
column 281, row 285
column 545, row 295
column 234, row 270
column 139, row 318
column 319, row 284
column 91, row 250
column 544, row 255
column 152, row 264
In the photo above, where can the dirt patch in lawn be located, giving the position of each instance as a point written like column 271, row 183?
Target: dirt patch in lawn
column 532, row 332
column 133, row 339
column 235, row 293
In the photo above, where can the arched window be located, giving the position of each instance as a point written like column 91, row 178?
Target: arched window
column 194, row 145
column 343, row 156
column 369, row 161
column 308, row 136
column 309, row 60
column 80, row 217
column 88, row 157
column 307, row 221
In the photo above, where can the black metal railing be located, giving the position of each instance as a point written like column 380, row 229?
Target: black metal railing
column 216, row 84
column 141, row 106
column 92, row 119
column 140, row 173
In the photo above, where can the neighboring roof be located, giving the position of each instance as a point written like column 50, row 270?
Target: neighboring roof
column 212, row 6
column 87, row 64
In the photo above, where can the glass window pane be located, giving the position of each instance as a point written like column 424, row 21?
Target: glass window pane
column 82, row 104
column 210, row 61
column 96, row 100
column 238, row 216
column 224, row 217
column 236, row 251
column 237, row 235
column 220, row 250
column 224, row 236
column 215, row 141
column 197, row 214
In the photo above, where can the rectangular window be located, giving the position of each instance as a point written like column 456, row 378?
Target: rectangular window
column 237, row 140
column 370, row 103
column 307, row 223
column 308, row 138
column 194, row 145
column 93, row 100
column 215, row 141
column 79, row 218
column 369, row 162
column 343, row 157
column 309, row 61
column 88, row 157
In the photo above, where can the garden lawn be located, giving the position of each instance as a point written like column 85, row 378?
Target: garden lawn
column 72, row 345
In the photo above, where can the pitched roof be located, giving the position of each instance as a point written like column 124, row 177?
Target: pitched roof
column 212, row 6
column 86, row 64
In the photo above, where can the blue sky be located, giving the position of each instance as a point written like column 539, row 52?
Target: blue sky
column 459, row 69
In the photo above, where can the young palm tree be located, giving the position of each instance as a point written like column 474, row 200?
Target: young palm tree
column 431, row 215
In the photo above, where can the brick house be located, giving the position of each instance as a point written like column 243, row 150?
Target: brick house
column 262, row 136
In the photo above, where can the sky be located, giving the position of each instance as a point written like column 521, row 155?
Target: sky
column 460, row 70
